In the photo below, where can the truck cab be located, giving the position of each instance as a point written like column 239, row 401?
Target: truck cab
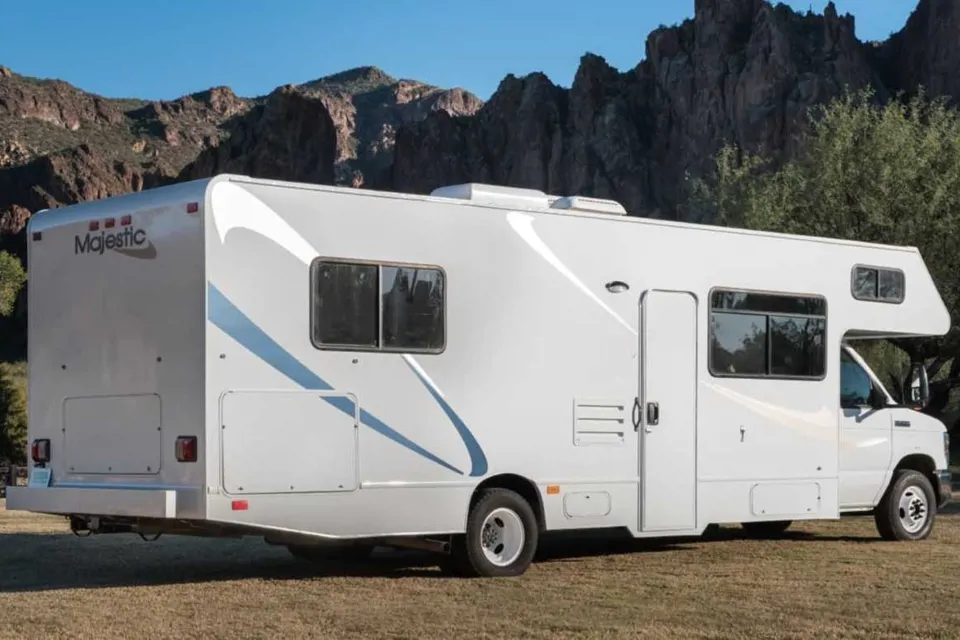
column 893, row 458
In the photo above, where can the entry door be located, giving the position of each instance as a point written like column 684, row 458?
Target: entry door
column 668, row 411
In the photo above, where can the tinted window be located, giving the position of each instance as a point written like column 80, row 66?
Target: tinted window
column 378, row 306
column 412, row 308
column 768, row 303
column 890, row 286
column 796, row 346
column 761, row 334
column 855, row 384
column 345, row 305
column 865, row 283
column 878, row 285
column 739, row 344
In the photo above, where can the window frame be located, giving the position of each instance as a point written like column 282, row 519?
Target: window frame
column 768, row 351
column 315, row 265
column 878, row 269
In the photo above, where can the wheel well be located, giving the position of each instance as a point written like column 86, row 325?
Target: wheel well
column 526, row 488
column 925, row 465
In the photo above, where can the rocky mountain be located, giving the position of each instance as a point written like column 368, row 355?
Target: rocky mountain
column 288, row 136
column 59, row 144
column 368, row 106
column 741, row 71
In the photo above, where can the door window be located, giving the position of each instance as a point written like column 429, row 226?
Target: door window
column 856, row 387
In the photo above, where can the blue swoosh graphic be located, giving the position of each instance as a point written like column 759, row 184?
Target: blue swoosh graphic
column 225, row 315
column 478, row 460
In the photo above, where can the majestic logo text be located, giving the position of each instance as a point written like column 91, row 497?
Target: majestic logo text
column 129, row 242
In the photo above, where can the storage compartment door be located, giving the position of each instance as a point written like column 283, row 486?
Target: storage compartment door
column 112, row 435
column 288, row 442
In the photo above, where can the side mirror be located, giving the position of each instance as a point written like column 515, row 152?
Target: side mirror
column 916, row 388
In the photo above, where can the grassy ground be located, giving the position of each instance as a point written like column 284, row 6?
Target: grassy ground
column 829, row 580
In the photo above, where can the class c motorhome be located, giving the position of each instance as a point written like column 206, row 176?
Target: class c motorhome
column 333, row 369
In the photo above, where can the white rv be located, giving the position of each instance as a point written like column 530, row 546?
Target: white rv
column 333, row 368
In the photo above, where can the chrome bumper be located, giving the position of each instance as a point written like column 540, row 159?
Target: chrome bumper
column 946, row 487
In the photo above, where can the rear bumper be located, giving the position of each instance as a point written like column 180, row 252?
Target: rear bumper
column 946, row 487
column 134, row 503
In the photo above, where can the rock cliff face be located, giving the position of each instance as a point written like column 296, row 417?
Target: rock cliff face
column 926, row 52
column 60, row 145
column 740, row 71
column 290, row 136
column 367, row 107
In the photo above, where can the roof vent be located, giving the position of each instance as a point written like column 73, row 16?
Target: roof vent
column 591, row 205
column 510, row 197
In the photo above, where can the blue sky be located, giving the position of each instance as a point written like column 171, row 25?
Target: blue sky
column 135, row 49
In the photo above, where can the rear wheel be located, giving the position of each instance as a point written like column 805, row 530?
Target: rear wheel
column 766, row 529
column 908, row 508
column 501, row 537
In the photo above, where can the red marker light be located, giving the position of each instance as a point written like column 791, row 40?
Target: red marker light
column 126, row 220
column 40, row 451
column 109, row 222
column 94, row 225
column 186, row 449
column 193, row 207
column 239, row 505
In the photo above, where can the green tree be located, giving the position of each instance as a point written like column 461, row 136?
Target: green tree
column 13, row 413
column 12, row 277
column 887, row 173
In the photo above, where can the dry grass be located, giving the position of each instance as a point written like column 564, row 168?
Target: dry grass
column 835, row 579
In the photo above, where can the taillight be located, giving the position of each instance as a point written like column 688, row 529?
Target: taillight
column 187, row 448
column 40, row 451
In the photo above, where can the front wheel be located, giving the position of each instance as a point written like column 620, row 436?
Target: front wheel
column 501, row 537
column 908, row 508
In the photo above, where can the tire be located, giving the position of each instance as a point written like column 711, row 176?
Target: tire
column 501, row 537
column 908, row 508
column 332, row 553
column 766, row 529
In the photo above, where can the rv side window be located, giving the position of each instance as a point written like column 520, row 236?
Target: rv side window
column 412, row 308
column 874, row 284
column 767, row 335
column 345, row 305
column 380, row 307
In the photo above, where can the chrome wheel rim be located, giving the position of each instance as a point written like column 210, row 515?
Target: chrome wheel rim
column 502, row 537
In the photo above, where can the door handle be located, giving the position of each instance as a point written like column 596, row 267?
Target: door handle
column 636, row 413
column 653, row 414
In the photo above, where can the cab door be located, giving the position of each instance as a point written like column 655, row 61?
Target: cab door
column 866, row 432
